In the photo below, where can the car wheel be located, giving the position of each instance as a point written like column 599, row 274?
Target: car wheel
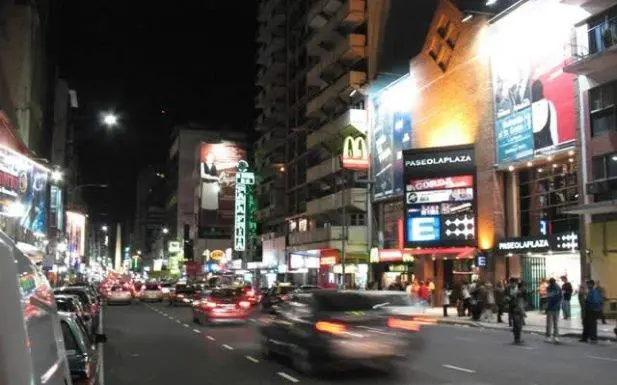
column 303, row 362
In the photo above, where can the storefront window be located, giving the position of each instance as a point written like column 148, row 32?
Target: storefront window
column 392, row 213
column 544, row 192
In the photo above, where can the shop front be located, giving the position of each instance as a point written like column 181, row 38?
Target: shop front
column 544, row 257
column 332, row 272
column 303, row 268
column 390, row 266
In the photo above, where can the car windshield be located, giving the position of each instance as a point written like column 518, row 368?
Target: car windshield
column 119, row 288
column 282, row 290
column 340, row 302
column 66, row 305
column 83, row 296
column 184, row 289
column 166, row 285
column 225, row 293
column 152, row 286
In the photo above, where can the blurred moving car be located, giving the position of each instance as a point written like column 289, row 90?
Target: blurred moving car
column 83, row 360
column 251, row 295
column 28, row 315
column 324, row 329
column 165, row 289
column 222, row 305
column 119, row 295
column 276, row 296
column 183, row 294
column 151, row 292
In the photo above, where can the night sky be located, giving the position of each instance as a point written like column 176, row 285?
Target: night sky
column 156, row 64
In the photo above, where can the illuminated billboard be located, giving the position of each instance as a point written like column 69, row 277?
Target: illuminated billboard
column 533, row 96
column 75, row 233
column 217, row 188
column 23, row 190
column 390, row 120
column 440, row 197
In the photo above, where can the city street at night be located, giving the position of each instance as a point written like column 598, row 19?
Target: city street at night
column 157, row 344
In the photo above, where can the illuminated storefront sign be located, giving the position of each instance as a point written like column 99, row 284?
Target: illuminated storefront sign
column 173, row 247
column 217, row 255
column 244, row 178
column 23, row 190
column 76, row 233
column 440, row 199
column 355, row 154
column 556, row 242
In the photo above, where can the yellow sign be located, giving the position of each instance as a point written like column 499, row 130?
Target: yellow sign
column 217, row 255
column 355, row 154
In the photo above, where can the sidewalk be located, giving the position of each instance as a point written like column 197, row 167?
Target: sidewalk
column 535, row 323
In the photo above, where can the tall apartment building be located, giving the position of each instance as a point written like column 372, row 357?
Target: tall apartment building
column 595, row 63
column 313, row 67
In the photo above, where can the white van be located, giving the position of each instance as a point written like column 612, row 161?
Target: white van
column 31, row 343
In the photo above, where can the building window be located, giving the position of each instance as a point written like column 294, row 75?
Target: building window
column 604, row 168
column 357, row 219
column 544, row 193
column 602, row 108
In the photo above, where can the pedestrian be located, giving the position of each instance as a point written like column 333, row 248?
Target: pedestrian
column 553, row 306
column 510, row 297
column 542, row 289
column 517, row 310
column 487, row 315
column 567, row 291
column 499, row 300
column 446, row 299
column 582, row 297
column 466, row 299
column 431, row 290
column 603, row 295
column 593, row 308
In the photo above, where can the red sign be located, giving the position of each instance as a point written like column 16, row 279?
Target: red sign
column 329, row 257
column 440, row 183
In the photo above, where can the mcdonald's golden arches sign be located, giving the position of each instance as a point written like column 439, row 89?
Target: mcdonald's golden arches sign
column 355, row 154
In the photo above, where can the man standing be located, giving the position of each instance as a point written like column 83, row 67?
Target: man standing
column 553, row 305
column 567, row 290
column 592, row 311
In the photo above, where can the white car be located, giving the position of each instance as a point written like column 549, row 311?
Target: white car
column 119, row 295
column 151, row 292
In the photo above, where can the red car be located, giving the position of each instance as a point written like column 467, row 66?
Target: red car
column 222, row 305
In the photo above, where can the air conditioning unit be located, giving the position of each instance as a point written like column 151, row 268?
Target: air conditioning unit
column 597, row 187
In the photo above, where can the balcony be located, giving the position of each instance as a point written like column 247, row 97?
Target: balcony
column 352, row 118
column 330, row 238
column 352, row 198
column 598, row 58
column 274, row 72
column 323, row 169
column 348, row 51
column 326, row 24
column 340, row 89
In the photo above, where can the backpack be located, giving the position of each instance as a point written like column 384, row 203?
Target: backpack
column 594, row 299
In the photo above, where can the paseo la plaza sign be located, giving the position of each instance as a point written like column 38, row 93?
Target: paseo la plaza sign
column 555, row 242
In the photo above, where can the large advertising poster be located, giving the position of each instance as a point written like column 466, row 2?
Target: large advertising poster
column 217, row 184
column 23, row 190
column 75, row 234
column 440, row 197
column 533, row 96
column 391, row 128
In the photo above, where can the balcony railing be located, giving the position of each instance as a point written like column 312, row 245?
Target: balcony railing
column 349, row 50
column 352, row 117
column 325, row 168
column 356, row 235
column 352, row 12
column 344, row 83
column 266, row 10
column 353, row 198
column 599, row 39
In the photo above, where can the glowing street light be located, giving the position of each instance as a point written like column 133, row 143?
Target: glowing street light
column 165, row 230
column 56, row 175
column 104, row 228
column 110, row 119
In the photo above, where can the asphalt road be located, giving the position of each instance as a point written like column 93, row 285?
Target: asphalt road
column 153, row 344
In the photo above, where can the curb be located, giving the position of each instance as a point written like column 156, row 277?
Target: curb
column 475, row 324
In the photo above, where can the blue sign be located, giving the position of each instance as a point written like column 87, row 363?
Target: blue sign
column 481, row 261
column 514, row 137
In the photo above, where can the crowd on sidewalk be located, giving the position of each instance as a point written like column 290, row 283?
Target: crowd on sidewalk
column 481, row 301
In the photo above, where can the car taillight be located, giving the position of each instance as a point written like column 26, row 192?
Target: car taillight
column 285, row 297
column 211, row 305
column 250, row 293
column 180, row 296
column 330, row 327
column 160, row 287
column 403, row 324
column 245, row 304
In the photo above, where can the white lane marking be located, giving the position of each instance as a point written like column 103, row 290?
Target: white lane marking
column 211, row 338
column 458, row 368
column 253, row 320
column 601, row 358
column 196, row 331
column 526, row 347
column 227, row 347
column 186, row 325
column 178, row 322
column 254, row 360
column 463, row 338
column 288, row 377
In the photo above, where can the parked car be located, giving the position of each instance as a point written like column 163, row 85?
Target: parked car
column 28, row 315
column 71, row 304
column 90, row 303
column 120, row 295
column 83, row 360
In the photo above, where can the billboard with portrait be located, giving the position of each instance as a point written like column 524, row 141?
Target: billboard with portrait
column 440, row 197
column 390, row 121
column 75, row 234
column 533, row 96
column 217, row 184
column 23, row 190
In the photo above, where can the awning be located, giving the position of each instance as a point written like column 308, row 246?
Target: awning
column 604, row 207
